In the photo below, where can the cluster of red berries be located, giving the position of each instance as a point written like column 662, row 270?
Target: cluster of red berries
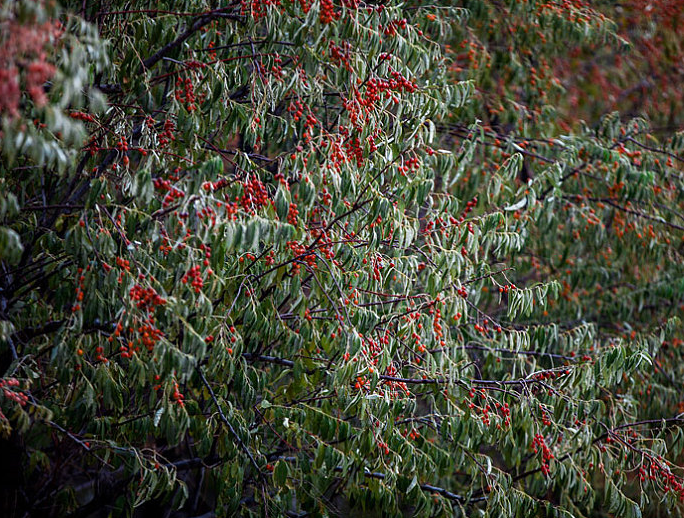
column 377, row 268
column 124, row 265
column 376, row 87
column 99, row 354
column 172, row 193
column 256, row 8
column 325, row 244
column 115, row 335
column 374, row 348
column 468, row 208
column 194, row 276
column 207, row 255
column 270, row 258
column 296, row 109
column 232, row 209
column 299, row 251
column 486, row 409
column 361, row 382
column 92, row 148
column 128, row 349
column 79, row 290
column 437, row 328
column 327, row 12
column 413, row 434
column 167, row 135
column 471, row 395
column 546, row 419
column 292, row 214
column 146, row 298
column 280, row 177
column 185, row 93
column 383, row 447
column 356, row 117
column 352, row 146
column 537, row 444
column 215, row 186
column 122, row 147
column 233, row 338
column 325, row 197
column 149, row 334
column 391, row 28
column 85, row 117
column 336, row 154
column 195, row 65
column 396, row 388
column 255, row 195
column 505, row 412
column 409, row 165
column 440, row 223
column 8, row 387
column 277, row 68
column 207, row 215
column 372, row 147
column 310, row 122
column 484, row 328
column 669, row 481
column 485, row 415
column 549, row 375
column 305, row 5
column 339, row 55
column 248, row 256
column 177, row 396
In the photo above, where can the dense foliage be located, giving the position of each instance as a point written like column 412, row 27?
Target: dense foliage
column 324, row 258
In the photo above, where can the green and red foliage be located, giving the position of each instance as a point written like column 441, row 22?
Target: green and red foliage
column 644, row 81
column 319, row 258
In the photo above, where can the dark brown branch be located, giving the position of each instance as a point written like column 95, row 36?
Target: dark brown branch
column 223, row 417
column 201, row 22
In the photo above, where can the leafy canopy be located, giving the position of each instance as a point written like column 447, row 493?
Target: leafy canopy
column 316, row 258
